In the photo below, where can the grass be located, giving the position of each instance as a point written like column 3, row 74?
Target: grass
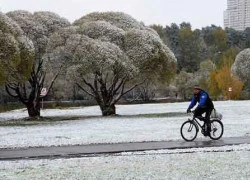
column 56, row 119
column 39, row 121
column 10, row 106
column 67, row 104
column 160, row 115
column 47, row 105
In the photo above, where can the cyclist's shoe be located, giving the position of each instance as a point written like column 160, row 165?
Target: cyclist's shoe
column 203, row 131
column 206, row 129
column 207, row 134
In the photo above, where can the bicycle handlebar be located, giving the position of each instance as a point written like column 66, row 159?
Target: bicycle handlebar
column 191, row 112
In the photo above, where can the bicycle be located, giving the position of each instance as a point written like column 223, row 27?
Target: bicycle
column 190, row 128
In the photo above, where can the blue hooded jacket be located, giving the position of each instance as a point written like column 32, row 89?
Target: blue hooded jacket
column 203, row 99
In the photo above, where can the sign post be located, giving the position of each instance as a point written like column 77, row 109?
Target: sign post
column 42, row 94
column 230, row 89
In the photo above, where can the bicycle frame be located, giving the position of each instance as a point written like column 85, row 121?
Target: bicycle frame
column 196, row 122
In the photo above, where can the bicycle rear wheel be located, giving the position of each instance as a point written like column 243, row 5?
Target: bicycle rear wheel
column 217, row 129
column 189, row 131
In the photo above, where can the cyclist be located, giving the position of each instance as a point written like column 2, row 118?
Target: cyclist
column 205, row 105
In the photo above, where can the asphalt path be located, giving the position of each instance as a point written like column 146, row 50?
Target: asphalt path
column 100, row 149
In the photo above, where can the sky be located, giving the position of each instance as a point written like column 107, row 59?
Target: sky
column 200, row 13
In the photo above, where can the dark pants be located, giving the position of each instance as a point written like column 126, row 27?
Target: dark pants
column 200, row 111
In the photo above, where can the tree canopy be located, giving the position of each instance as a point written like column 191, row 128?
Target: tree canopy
column 105, row 51
column 241, row 66
column 16, row 51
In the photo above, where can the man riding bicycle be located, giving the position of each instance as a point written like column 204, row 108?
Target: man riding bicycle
column 205, row 106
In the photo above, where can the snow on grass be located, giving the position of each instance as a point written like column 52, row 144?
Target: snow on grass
column 95, row 130
column 236, row 119
column 203, row 164
column 241, row 147
column 229, row 109
column 95, row 110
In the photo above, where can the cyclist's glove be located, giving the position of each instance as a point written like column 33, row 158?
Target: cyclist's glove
column 188, row 110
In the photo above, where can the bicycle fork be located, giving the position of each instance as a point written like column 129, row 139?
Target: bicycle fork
column 192, row 124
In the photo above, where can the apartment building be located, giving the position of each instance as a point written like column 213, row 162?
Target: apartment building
column 237, row 15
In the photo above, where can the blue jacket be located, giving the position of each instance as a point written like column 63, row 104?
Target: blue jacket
column 203, row 99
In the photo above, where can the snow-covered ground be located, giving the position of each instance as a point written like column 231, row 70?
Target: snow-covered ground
column 236, row 119
column 228, row 162
column 205, row 163
column 95, row 110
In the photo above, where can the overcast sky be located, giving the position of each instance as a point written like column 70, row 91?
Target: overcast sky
column 199, row 13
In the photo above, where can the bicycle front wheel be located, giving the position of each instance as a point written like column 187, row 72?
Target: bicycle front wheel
column 217, row 129
column 188, row 131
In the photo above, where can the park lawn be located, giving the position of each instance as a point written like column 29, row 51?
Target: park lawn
column 135, row 123
column 229, row 162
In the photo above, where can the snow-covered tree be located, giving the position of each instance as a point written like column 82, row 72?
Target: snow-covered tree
column 107, row 53
column 37, row 27
column 202, row 76
column 184, row 82
column 241, row 65
column 16, row 52
column 118, row 19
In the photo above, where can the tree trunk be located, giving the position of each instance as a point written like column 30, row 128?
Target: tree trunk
column 33, row 110
column 108, row 110
column 107, row 95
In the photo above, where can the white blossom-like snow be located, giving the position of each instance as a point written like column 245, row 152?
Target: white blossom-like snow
column 241, row 66
column 38, row 26
column 16, row 49
column 103, row 31
column 10, row 26
column 108, row 45
column 119, row 19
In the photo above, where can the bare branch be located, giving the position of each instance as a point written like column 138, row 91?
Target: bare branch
column 50, row 86
column 113, row 84
column 123, row 81
column 106, row 78
column 19, row 94
column 123, row 93
column 7, row 88
column 85, row 90
column 24, row 91
column 39, row 67
column 88, row 84
column 52, row 82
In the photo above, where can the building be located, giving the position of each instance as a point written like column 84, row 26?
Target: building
column 237, row 15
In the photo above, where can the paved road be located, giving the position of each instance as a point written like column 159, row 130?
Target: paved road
column 97, row 149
